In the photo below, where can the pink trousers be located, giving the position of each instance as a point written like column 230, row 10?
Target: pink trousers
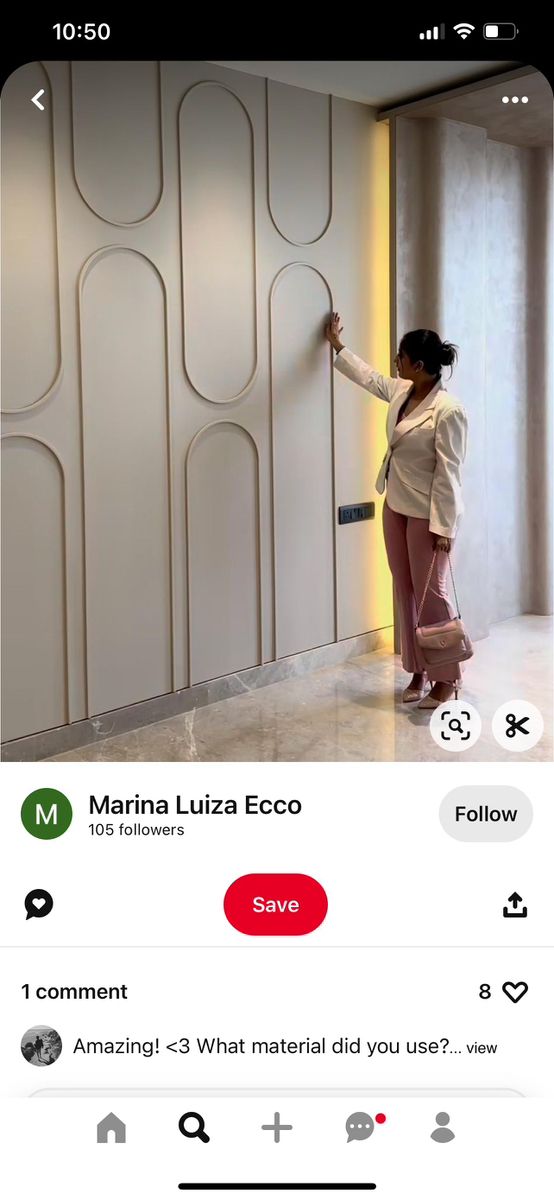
column 409, row 545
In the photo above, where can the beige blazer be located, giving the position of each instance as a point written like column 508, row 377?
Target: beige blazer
column 425, row 451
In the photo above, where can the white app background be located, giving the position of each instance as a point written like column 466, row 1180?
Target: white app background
column 407, row 999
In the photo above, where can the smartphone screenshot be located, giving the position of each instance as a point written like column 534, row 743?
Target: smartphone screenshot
column 277, row 692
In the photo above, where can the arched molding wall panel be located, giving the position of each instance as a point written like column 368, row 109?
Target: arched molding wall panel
column 30, row 272
column 117, row 139
column 303, row 463
column 125, row 414
column 299, row 162
column 218, row 242
column 223, row 539
column 34, row 610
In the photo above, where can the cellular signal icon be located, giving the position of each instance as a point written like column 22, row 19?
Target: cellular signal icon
column 433, row 35
column 464, row 29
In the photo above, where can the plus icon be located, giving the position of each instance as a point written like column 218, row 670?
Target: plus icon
column 277, row 1127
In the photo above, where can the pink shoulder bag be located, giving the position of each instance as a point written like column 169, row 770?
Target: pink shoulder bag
column 446, row 641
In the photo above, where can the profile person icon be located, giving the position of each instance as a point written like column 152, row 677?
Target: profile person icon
column 441, row 1134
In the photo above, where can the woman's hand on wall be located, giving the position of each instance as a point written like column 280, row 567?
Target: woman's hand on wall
column 332, row 331
column 442, row 543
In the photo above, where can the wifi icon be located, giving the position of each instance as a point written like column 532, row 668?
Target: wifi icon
column 464, row 29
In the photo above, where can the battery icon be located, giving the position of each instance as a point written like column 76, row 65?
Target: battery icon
column 503, row 32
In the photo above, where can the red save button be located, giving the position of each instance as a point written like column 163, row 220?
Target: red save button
column 269, row 905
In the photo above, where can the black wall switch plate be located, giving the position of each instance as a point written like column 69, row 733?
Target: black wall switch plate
column 348, row 513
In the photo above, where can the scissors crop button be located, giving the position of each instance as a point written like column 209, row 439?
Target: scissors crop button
column 518, row 726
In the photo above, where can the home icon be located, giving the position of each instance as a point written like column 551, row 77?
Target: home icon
column 110, row 1124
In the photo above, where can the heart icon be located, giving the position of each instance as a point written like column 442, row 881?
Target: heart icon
column 515, row 991
column 38, row 903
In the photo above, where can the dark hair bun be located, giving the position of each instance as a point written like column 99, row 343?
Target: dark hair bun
column 448, row 354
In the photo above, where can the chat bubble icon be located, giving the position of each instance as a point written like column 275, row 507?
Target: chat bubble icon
column 38, row 903
column 359, row 1127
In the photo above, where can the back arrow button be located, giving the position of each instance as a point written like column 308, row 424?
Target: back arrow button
column 36, row 100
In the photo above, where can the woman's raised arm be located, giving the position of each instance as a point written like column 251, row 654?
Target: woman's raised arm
column 359, row 371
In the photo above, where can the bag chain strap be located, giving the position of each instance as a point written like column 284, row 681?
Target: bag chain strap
column 426, row 589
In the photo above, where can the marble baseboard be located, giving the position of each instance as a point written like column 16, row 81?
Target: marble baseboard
column 124, row 720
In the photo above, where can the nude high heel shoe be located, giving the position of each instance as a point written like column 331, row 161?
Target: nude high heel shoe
column 430, row 702
column 411, row 694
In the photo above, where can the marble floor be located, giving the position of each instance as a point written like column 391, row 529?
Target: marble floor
column 350, row 712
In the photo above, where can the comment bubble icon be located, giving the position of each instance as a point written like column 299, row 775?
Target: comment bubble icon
column 38, row 903
column 359, row 1127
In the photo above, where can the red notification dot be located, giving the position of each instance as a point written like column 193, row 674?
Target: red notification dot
column 380, row 1118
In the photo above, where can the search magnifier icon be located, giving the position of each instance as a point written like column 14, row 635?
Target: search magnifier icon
column 199, row 1128
column 455, row 725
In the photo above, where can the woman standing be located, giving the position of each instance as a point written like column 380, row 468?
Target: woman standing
column 426, row 445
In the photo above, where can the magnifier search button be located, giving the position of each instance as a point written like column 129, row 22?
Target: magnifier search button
column 197, row 1127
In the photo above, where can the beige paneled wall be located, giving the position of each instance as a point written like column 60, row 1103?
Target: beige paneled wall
column 472, row 222
column 176, row 443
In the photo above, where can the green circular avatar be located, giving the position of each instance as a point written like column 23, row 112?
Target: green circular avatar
column 46, row 813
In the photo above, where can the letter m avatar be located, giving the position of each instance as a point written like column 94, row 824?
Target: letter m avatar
column 46, row 813
column 46, row 817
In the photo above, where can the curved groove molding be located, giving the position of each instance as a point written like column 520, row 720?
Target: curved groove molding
column 31, row 346
column 223, row 541
column 34, row 618
column 117, row 138
column 218, row 240
column 125, row 439
column 299, row 162
column 303, row 461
